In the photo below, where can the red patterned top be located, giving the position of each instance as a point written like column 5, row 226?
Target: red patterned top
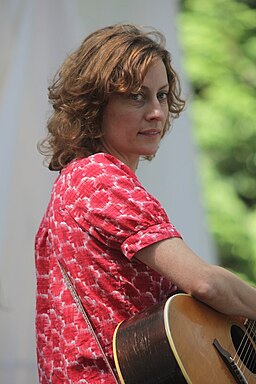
column 98, row 217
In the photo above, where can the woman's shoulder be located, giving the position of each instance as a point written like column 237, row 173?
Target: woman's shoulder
column 97, row 164
column 98, row 172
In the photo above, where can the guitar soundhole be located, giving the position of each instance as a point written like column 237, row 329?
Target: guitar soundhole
column 244, row 348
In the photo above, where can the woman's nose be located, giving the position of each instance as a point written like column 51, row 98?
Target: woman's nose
column 155, row 110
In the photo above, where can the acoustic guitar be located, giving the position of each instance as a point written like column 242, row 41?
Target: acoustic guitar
column 184, row 341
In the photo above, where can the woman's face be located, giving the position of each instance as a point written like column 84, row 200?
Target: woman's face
column 133, row 124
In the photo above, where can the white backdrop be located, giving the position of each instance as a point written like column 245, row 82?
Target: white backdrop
column 35, row 37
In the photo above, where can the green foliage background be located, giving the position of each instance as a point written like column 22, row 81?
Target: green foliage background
column 219, row 47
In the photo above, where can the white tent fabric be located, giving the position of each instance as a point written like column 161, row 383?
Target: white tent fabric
column 35, row 38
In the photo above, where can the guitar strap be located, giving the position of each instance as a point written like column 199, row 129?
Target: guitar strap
column 81, row 308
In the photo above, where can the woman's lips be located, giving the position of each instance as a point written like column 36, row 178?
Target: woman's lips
column 150, row 132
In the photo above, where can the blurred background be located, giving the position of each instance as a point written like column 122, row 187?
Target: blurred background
column 204, row 173
column 218, row 40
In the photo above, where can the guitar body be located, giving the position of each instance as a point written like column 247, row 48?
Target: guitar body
column 172, row 342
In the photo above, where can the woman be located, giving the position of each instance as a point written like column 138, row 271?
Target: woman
column 113, row 100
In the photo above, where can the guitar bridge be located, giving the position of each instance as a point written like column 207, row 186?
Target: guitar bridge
column 230, row 363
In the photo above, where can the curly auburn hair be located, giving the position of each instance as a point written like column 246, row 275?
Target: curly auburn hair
column 111, row 60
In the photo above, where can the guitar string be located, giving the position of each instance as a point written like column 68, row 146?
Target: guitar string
column 245, row 347
column 251, row 329
column 253, row 338
column 248, row 357
column 252, row 357
column 240, row 351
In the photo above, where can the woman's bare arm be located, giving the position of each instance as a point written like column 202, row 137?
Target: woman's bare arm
column 210, row 284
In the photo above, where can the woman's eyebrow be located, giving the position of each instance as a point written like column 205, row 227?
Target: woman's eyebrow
column 162, row 87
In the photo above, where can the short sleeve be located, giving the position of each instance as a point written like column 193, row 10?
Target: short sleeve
column 107, row 200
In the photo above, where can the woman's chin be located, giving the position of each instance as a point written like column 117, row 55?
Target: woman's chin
column 150, row 152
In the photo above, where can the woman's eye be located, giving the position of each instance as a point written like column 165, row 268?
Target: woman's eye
column 136, row 96
column 162, row 96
